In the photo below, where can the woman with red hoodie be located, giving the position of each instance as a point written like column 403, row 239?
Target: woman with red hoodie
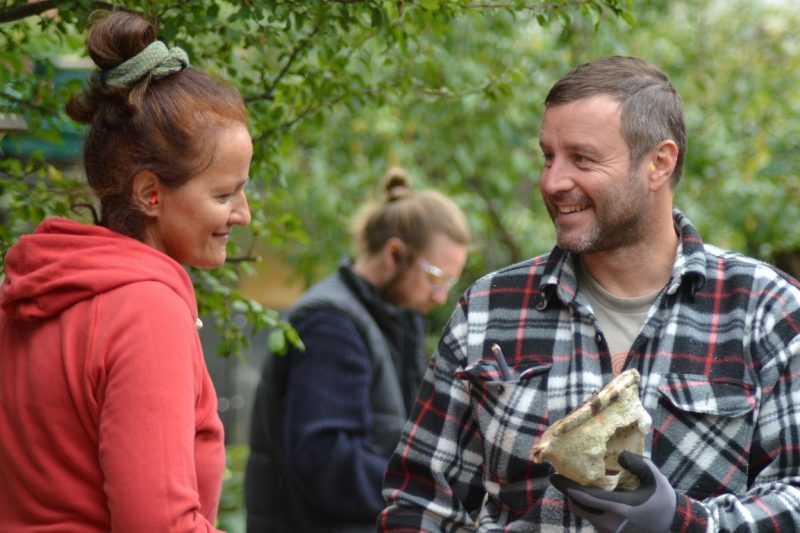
column 108, row 417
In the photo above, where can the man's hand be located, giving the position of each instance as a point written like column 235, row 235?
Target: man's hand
column 649, row 508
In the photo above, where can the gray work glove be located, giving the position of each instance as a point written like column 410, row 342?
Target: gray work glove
column 649, row 508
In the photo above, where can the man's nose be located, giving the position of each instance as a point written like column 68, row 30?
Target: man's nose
column 557, row 177
column 439, row 294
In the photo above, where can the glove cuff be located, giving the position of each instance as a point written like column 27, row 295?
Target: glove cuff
column 661, row 523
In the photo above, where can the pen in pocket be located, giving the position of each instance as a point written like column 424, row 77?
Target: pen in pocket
column 505, row 372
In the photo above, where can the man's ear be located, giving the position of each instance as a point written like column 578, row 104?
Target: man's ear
column 661, row 164
column 395, row 253
column 147, row 192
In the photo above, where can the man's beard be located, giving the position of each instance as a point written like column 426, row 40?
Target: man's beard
column 391, row 290
column 619, row 220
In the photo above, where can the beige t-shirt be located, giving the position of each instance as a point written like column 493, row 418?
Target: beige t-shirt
column 620, row 318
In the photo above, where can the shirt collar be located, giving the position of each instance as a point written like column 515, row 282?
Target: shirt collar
column 689, row 270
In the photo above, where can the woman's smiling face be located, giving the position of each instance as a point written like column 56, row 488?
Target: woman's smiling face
column 193, row 222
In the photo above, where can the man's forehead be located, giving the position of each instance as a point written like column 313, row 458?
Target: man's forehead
column 580, row 121
column 600, row 103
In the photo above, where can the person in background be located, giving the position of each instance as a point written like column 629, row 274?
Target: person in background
column 108, row 416
column 629, row 284
column 326, row 419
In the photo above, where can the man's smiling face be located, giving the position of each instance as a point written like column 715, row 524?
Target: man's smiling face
column 596, row 200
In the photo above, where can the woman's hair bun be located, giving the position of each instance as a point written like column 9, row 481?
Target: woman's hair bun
column 116, row 36
column 113, row 38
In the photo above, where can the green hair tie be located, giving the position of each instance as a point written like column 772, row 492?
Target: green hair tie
column 156, row 59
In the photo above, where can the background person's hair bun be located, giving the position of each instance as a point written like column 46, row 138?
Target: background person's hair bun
column 396, row 184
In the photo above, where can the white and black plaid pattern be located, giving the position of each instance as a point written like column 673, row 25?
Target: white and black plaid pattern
column 719, row 356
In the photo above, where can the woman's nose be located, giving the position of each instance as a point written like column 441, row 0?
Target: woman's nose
column 241, row 213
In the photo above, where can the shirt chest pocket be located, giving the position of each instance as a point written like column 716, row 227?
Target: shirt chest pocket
column 702, row 433
column 511, row 414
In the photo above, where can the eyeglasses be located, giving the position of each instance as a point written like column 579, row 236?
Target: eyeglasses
column 436, row 276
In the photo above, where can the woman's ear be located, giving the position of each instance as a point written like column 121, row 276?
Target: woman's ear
column 147, row 192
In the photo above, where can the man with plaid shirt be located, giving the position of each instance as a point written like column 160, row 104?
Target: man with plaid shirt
column 630, row 284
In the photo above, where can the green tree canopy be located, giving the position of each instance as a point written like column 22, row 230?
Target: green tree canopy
column 306, row 69
column 451, row 90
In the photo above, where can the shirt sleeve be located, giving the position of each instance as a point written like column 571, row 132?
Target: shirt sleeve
column 328, row 419
column 433, row 482
column 147, row 426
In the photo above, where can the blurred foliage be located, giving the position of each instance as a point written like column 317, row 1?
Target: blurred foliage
column 451, row 90
column 231, row 516
column 736, row 64
column 334, row 89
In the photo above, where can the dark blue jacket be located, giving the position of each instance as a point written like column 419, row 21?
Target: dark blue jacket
column 325, row 421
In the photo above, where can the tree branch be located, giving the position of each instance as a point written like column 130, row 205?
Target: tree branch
column 11, row 14
column 267, row 94
column 538, row 6
column 306, row 112
column 444, row 93
column 27, row 103
column 506, row 237
column 19, row 12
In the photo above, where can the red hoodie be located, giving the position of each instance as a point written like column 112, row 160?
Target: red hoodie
column 108, row 417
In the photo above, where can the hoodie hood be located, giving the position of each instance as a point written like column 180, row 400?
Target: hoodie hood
column 64, row 262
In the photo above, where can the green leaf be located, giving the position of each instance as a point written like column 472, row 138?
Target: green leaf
column 277, row 342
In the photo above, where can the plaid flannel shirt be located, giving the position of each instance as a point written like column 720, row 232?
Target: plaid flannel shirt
column 719, row 356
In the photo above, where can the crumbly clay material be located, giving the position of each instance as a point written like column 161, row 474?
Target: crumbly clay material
column 584, row 445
